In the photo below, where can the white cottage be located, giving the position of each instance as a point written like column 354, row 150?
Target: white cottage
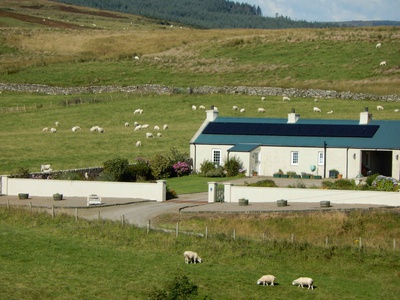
column 267, row 145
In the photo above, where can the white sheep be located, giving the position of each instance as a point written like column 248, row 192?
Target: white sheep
column 330, row 112
column 194, row 107
column 202, row 107
column 379, row 107
column 53, row 130
column 149, row 135
column 57, row 124
column 159, row 134
column 165, row 127
column 242, row 110
column 316, row 109
column 101, row 130
column 192, row 257
column 378, row 45
column 75, row 128
column 136, row 57
column 138, row 111
column 302, row 281
column 156, row 127
column 263, row 98
column 215, row 108
column 138, row 127
column 266, row 279
column 94, row 128
column 145, row 126
column 45, row 129
column 135, row 123
column 126, row 124
column 261, row 110
column 383, row 63
column 396, row 110
column 138, row 144
column 234, row 107
column 285, row 98
column 46, row 169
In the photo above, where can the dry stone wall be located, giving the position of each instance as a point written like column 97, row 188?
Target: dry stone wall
column 162, row 89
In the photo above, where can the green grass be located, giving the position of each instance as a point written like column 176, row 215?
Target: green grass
column 24, row 145
column 45, row 258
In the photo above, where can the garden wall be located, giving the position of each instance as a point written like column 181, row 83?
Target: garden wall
column 82, row 188
column 232, row 194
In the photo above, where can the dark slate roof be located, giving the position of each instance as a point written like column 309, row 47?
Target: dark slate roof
column 303, row 133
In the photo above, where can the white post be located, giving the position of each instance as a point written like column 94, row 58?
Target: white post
column 177, row 229
column 234, row 234
column 206, row 235
column 76, row 214
column 148, row 226
column 227, row 192
column 212, row 192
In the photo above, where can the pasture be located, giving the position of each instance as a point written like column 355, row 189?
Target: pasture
column 45, row 258
column 24, row 145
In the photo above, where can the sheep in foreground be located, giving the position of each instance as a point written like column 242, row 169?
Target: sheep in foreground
column 378, row 45
column 383, row 63
column 262, row 98
column 379, row 107
column 266, row 279
column 302, row 281
column 138, row 144
column 316, row 109
column 192, row 257
column 285, row 98
column 261, row 110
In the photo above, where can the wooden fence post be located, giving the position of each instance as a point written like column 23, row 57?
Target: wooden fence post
column 292, row 238
column 148, row 226
column 177, row 229
column 98, row 216
column 52, row 211
column 206, row 235
column 76, row 214
column 326, row 241
column 234, row 234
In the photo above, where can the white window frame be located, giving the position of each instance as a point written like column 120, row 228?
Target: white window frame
column 294, row 155
column 215, row 152
column 321, row 158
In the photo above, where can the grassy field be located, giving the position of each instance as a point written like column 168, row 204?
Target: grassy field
column 45, row 258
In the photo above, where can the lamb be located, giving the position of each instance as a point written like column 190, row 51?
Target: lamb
column 234, row 107
column 396, row 110
column 192, row 257
column 53, row 130
column 242, row 110
column 138, row 144
column 149, row 135
column 57, row 124
column 101, row 130
column 75, row 128
column 379, row 107
column 261, row 110
column 45, row 129
column 330, row 112
column 156, row 127
column 159, row 134
column 316, row 109
column 138, row 111
column 126, row 124
column 302, row 281
column 202, row 107
column 383, row 63
column 145, row 126
column 194, row 107
column 266, row 279
column 165, row 127
column 285, row 98
column 378, row 45
column 263, row 98
column 138, row 127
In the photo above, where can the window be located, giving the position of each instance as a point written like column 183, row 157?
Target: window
column 320, row 158
column 294, row 158
column 216, row 157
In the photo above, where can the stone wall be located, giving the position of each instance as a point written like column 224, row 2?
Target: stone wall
column 162, row 89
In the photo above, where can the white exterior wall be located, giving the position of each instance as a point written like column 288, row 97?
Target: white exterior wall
column 80, row 188
column 204, row 152
column 396, row 165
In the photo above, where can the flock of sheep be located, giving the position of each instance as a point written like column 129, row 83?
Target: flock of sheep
column 193, row 258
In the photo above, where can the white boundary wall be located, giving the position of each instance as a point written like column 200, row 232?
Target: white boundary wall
column 264, row 194
column 81, row 188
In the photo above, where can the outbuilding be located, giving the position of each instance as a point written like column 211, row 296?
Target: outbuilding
column 352, row 148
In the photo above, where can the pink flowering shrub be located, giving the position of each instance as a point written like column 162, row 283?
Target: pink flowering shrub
column 181, row 168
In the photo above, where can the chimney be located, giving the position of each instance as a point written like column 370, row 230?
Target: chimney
column 293, row 117
column 212, row 114
column 365, row 117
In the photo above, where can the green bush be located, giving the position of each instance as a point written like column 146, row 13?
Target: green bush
column 22, row 173
column 370, row 179
column 139, row 171
column 344, row 184
column 206, row 167
column 264, row 183
column 233, row 166
column 161, row 166
column 216, row 172
column 178, row 289
column 116, row 167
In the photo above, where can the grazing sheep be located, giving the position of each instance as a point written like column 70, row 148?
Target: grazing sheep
column 266, row 279
column 262, row 98
column 316, row 109
column 159, row 134
column 138, row 127
column 138, row 144
column 315, row 100
column 156, row 127
column 46, row 169
column 202, row 107
column 126, row 124
column 285, row 98
column 165, row 127
column 75, row 128
column 94, row 128
column 45, row 129
column 135, row 123
column 57, row 124
column 145, row 126
column 330, row 112
column 215, row 108
column 261, row 110
column 242, row 110
column 396, row 110
column 192, row 257
column 379, row 107
column 194, row 107
column 378, row 45
column 53, row 130
column 234, row 107
column 138, row 111
column 149, row 135
column 383, row 63
column 302, row 281
column 136, row 57
column 101, row 130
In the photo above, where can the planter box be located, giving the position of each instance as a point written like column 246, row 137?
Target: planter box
column 277, row 175
column 325, row 203
column 57, row 197
column 243, row 202
column 281, row 203
column 23, row 196
column 305, row 176
column 317, row 177
column 284, row 176
column 296, row 176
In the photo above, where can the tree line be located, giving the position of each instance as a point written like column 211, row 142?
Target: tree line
column 202, row 14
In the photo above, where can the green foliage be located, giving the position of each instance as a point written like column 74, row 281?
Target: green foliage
column 161, row 166
column 116, row 167
column 171, row 193
column 370, row 179
column 344, row 184
column 264, row 183
column 206, row 167
column 180, row 288
column 139, row 171
column 233, row 166
column 22, row 173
